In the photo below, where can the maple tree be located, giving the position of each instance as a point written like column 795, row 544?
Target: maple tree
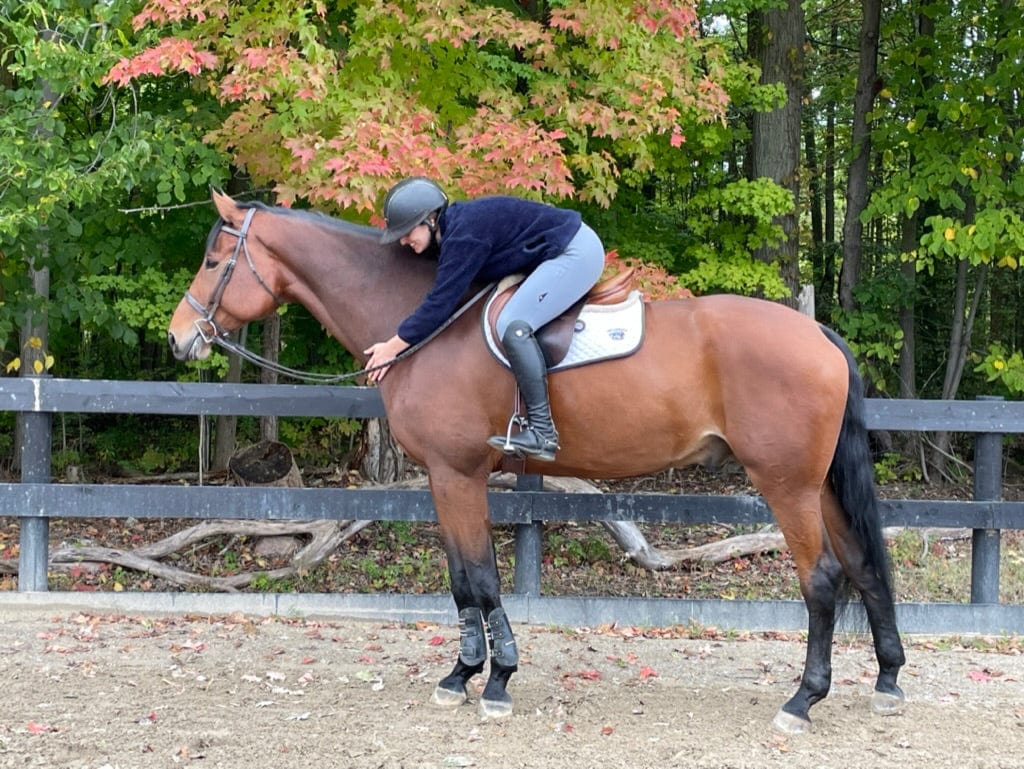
column 333, row 102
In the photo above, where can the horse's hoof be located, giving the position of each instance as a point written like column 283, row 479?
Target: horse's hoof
column 496, row 710
column 787, row 723
column 446, row 698
column 887, row 704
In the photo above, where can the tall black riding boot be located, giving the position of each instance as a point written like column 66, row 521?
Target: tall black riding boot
column 539, row 439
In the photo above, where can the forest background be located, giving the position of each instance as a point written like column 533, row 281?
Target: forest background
column 742, row 146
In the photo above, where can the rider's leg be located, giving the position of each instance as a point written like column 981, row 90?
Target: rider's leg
column 553, row 287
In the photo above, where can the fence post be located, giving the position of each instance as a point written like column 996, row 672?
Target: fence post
column 988, row 487
column 529, row 538
column 33, row 554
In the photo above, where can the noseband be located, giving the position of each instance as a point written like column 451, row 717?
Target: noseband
column 213, row 331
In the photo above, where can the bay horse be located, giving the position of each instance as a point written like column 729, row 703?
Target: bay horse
column 717, row 376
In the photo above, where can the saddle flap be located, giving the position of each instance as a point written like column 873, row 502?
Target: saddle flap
column 556, row 337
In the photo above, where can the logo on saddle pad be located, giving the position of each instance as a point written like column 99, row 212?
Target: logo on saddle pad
column 585, row 333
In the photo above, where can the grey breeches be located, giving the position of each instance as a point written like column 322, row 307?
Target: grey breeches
column 555, row 285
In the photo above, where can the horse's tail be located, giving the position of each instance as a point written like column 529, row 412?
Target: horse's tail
column 852, row 475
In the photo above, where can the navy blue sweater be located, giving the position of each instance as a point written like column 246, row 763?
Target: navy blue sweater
column 487, row 239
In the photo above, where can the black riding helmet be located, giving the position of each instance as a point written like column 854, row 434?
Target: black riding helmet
column 408, row 204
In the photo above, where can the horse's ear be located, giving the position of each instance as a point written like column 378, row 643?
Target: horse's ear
column 227, row 208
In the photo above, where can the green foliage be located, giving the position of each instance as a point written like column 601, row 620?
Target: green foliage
column 139, row 445
column 725, row 225
column 947, row 127
column 1006, row 369
column 73, row 151
column 319, row 442
column 873, row 331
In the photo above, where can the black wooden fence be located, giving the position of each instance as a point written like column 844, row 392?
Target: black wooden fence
column 36, row 500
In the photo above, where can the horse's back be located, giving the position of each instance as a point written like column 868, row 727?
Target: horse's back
column 747, row 343
column 715, row 376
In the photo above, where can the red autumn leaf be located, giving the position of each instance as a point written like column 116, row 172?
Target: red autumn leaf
column 308, row 660
column 436, row 641
column 646, row 672
column 34, row 728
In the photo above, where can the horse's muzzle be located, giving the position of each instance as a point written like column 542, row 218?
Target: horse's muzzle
column 194, row 348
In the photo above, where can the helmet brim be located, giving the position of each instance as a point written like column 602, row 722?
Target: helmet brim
column 392, row 236
column 398, row 230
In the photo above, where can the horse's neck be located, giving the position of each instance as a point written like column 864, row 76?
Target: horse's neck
column 357, row 289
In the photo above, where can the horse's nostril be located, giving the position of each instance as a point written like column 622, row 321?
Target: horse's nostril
column 170, row 339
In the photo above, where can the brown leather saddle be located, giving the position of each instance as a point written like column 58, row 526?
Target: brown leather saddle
column 556, row 336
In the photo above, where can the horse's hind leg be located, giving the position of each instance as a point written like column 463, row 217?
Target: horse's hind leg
column 820, row 591
column 820, row 574
column 878, row 605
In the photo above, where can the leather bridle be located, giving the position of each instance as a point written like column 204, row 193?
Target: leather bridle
column 214, row 333
column 209, row 329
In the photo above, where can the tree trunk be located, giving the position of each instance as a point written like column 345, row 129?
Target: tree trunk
column 226, row 425
column 270, row 349
column 36, row 326
column 777, row 43
column 383, row 460
column 830, row 172
column 269, row 463
column 908, row 270
column 266, row 463
column 860, row 143
column 959, row 347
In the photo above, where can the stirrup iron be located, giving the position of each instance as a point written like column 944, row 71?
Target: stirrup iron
column 517, row 420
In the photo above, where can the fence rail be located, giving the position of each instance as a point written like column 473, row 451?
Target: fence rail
column 37, row 499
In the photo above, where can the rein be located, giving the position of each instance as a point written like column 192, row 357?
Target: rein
column 217, row 334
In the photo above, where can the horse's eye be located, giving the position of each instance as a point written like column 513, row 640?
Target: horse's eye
column 210, row 263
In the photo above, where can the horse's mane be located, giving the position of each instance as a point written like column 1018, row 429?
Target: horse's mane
column 314, row 217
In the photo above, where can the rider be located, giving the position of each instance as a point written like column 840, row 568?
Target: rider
column 488, row 239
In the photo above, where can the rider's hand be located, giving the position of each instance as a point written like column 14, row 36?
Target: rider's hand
column 383, row 352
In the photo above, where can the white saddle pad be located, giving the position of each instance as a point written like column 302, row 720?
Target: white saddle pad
column 602, row 332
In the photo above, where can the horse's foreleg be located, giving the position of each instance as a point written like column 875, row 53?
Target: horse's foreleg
column 462, row 514
column 496, row 702
column 451, row 691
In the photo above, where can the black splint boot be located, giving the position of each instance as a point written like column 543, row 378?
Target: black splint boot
column 538, row 440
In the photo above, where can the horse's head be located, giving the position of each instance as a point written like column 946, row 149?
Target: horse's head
column 222, row 299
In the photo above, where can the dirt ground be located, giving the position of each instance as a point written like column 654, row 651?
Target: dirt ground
column 87, row 691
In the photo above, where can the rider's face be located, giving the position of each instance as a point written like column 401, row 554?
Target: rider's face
column 418, row 238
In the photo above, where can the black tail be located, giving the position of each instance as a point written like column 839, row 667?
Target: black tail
column 852, row 475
